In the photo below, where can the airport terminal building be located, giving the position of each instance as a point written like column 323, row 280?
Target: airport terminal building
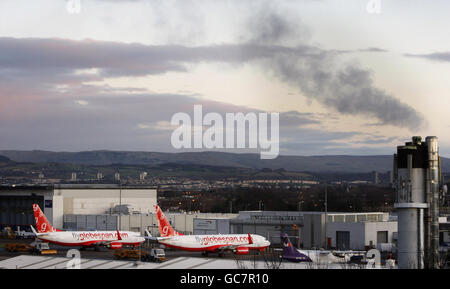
column 96, row 207
column 309, row 230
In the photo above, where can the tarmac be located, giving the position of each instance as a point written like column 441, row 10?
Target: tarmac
column 175, row 259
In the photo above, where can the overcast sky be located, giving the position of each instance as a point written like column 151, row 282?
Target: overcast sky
column 344, row 80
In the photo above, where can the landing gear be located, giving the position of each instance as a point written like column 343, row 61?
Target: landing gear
column 221, row 254
column 205, row 253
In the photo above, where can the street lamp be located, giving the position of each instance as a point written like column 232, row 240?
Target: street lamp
column 120, row 204
column 326, row 215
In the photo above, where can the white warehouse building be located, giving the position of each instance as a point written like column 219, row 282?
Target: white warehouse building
column 358, row 235
column 98, row 199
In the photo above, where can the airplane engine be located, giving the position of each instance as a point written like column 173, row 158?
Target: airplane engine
column 241, row 251
column 115, row 246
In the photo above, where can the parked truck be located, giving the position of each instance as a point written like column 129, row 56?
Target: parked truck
column 155, row 255
column 42, row 248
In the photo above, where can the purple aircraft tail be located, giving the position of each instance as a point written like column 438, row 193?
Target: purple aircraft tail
column 290, row 253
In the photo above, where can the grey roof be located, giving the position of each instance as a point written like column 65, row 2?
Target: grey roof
column 10, row 187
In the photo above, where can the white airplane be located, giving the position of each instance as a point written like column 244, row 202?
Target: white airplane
column 315, row 256
column 239, row 244
column 111, row 239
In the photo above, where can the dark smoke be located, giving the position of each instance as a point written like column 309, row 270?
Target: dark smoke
column 348, row 89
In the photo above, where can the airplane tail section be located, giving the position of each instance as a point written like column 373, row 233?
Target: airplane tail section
column 165, row 229
column 288, row 248
column 33, row 230
column 290, row 252
column 42, row 224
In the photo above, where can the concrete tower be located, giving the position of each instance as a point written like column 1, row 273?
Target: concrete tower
column 416, row 177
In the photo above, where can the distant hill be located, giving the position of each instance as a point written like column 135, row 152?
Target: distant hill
column 334, row 163
column 4, row 159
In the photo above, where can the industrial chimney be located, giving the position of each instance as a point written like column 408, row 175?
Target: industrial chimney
column 416, row 178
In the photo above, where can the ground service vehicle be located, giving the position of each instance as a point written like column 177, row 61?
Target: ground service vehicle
column 43, row 249
column 34, row 248
column 155, row 255
column 18, row 247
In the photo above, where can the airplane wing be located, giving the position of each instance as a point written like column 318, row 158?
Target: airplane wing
column 102, row 243
column 234, row 246
column 97, row 243
column 159, row 238
column 351, row 252
column 36, row 233
column 229, row 247
column 149, row 236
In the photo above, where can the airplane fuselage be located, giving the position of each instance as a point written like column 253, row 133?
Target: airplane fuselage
column 212, row 243
column 317, row 256
column 88, row 238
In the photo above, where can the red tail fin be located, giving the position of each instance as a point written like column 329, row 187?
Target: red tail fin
column 165, row 229
column 42, row 224
column 250, row 239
